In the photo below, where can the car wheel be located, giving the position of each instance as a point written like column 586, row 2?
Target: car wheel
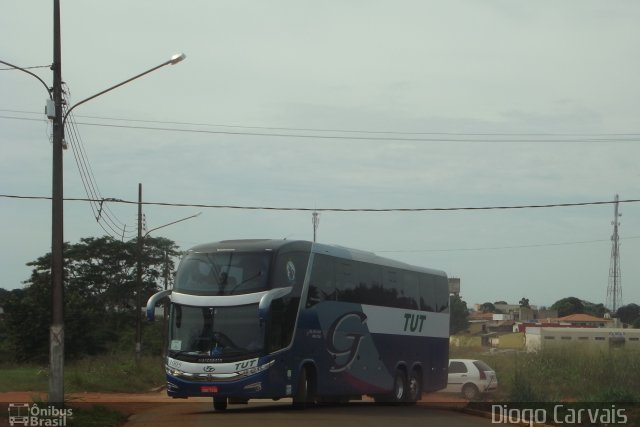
column 470, row 392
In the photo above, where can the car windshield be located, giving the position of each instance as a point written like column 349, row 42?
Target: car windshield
column 224, row 333
column 224, row 273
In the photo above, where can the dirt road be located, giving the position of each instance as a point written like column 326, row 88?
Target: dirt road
column 157, row 410
column 158, row 406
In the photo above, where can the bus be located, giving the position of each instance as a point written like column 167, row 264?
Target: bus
column 256, row 319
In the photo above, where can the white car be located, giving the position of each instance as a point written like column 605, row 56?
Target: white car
column 471, row 377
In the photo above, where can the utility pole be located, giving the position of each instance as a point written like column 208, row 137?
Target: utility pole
column 165, row 307
column 56, row 333
column 316, row 222
column 614, row 289
column 139, row 278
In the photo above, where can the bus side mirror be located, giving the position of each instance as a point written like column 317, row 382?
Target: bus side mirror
column 151, row 304
column 265, row 302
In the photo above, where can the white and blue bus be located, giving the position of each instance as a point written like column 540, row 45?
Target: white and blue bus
column 255, row 319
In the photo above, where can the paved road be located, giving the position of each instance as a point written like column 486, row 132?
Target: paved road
column 269, row 413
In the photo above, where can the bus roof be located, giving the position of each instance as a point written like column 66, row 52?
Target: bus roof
column 319, row 248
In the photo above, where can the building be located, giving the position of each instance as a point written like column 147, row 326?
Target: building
column 454, row 286
column 585, row 321
column 572, row 321
column 538, row 338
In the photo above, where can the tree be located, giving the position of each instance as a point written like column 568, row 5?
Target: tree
column 524, row 303
column 459, row 315
column 568, row 306
column 629, row 313
column 597, row 310
column 487, row 307
column 99, row 296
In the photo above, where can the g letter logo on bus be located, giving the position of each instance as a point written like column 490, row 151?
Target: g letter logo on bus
column 291, row 271
column 350, row 352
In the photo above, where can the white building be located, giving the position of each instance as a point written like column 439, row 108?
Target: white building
column 537, row 338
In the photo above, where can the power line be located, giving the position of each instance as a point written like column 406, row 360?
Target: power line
column 26, row 68
column 357, row 138
column 304, row 209
column 103, row 215
column 366, row 131
column 378, row 210
column 435, row 136
column 492, row 248
column 101, row 212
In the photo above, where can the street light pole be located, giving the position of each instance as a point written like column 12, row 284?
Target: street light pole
column 140, row 248
column 56, row 350
column 49, row 90
column 139, row 277
column 56, row 333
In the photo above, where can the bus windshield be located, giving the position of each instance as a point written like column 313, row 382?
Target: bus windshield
column 223, row 273
column 224, row 333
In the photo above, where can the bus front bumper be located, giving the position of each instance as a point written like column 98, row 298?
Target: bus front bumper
column 257, row 383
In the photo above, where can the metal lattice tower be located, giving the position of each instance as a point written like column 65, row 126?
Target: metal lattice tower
column 614, row 289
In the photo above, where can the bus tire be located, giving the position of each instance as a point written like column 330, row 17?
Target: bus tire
column 400, row 387
column 219, row 403
column 304, row 393
column 414, row 387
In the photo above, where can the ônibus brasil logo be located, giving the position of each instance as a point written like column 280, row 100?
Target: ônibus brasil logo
column 32, row 415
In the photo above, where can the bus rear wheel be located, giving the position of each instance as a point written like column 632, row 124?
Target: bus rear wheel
column 414, row 387
column 400, row 387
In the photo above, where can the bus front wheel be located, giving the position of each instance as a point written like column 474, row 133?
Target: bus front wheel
column 219, row 404
column 304, row 395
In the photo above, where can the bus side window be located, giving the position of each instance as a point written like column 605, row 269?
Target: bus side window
column 392, row 287
column 441, row 294
column 410, row 290
column 322, row 285
column 345, row 283
column 427, row 294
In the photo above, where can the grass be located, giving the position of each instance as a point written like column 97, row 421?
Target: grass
column 23, row 378
column 96, row 416
column 107, row 373
column 115, row 374
column 568, row 374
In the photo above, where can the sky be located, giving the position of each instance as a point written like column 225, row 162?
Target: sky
column 341, row 105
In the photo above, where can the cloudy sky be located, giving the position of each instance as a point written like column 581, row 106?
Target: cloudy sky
column 342, row 104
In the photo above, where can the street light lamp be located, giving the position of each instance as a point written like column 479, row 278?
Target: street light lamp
column 172, row 61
